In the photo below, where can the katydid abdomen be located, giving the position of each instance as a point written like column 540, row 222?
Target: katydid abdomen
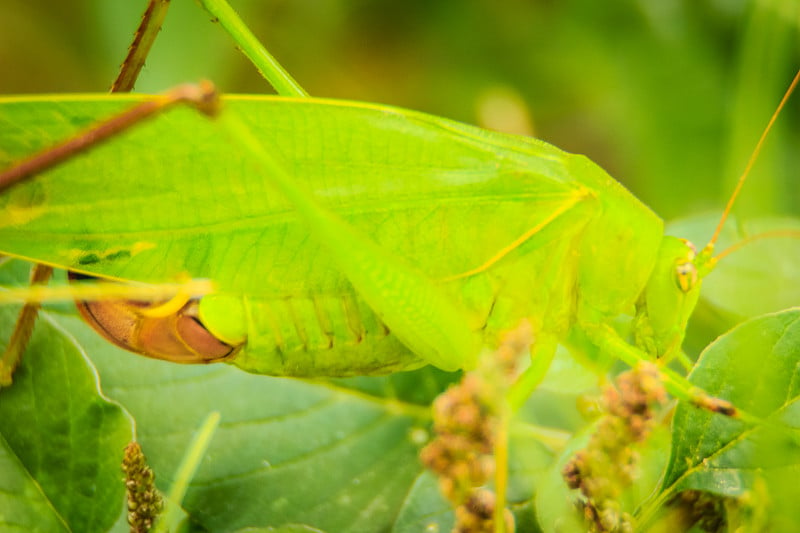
column 506, row 227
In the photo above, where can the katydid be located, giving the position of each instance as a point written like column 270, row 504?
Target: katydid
column 559, row 242
column 469, row 231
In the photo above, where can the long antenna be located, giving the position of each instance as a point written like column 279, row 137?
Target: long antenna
column 750, row 162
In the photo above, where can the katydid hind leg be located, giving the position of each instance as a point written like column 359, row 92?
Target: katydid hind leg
column 406, row 300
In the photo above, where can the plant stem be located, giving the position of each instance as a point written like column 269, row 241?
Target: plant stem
column 265, row 63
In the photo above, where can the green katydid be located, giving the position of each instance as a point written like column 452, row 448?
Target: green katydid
column 552, row 213
column 560, row 243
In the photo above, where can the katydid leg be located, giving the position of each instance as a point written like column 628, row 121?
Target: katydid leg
column 542, row 351
column 406, row 300
column 607, row 339
column 203, row 96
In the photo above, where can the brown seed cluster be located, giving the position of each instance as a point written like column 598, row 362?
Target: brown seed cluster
column 607, row 466
column 466, row 419
column 144, row 500
column 477, row 514
column 461, row 453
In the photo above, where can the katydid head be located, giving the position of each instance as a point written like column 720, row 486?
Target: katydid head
column 176, row 335
column 674, row 286
column 669, row 298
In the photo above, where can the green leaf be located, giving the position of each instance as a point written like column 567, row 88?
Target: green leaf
column 24, row 505
column 755, row 367
column 420, row 387
column 286, row 451
column 291, row 452
column 61, row 440
column 425, row 509
column 291, row 528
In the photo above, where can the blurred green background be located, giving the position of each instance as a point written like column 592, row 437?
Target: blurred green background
column 668, row 95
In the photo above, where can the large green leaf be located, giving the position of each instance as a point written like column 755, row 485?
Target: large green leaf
column 425, row 508
column 755, row 366
column 61, row 440
column 286, row 451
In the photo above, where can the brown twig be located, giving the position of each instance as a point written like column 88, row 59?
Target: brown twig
column 143, row 40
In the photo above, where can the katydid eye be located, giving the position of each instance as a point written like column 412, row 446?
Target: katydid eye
column 686, row 275
column 179, row 337
column 685, row 269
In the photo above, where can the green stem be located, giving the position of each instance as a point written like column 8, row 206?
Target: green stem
column 267, row 66
column 186, row 471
